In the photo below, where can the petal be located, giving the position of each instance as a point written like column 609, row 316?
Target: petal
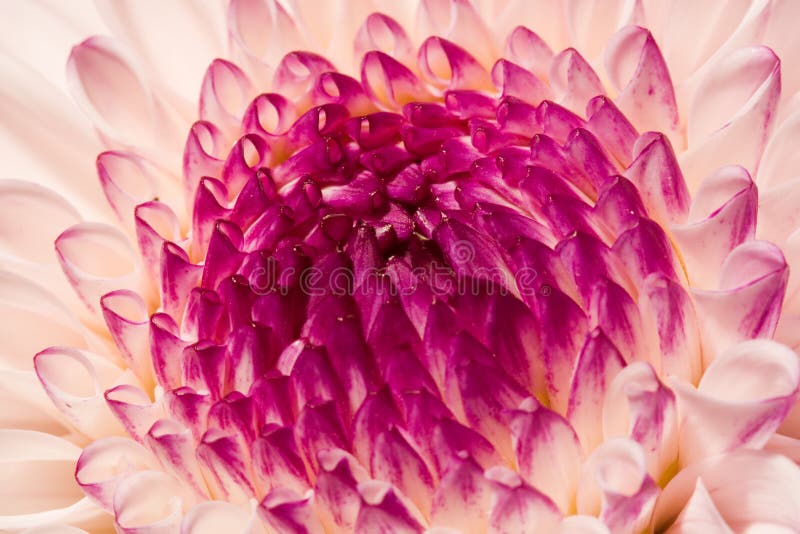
column 657, row 175
column 105, row 463
column 638, row 70
column 670, row 322
column 32, row 318
column 396, row 461
column 129, row 180
column 463, row 498
column 36, row 120
column 383, row 33
column 225, row 93
column 459, row 22
column 517, row 507
column 149, row 502
column 101, row 75
column 389, row 82
column 27, row 405
column 748, row 302
column 261, row 32
column 75, row 380
column 177, row 52
column 723, row 215
column 547, row 451
column 574, row 81
column 212, row 516
column 591, row 23
column 700, row 515
column 446, row 64
column 731, row 125
column 527, row 49
column 134, row 409
column 96, row 259
column 127, row 319
column 615, row 485
column 288, row 512
column 32, row 237
column 771, row 482
column 174, row 446
column 612, row 128
column 717, row 417
column 39, row 468
column 597, row 366
column 337, row 489
column 638, row 406
column 384, row 510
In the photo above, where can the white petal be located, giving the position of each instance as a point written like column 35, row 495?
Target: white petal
column 36, row 474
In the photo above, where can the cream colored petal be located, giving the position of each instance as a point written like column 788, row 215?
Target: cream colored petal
column 38, row 484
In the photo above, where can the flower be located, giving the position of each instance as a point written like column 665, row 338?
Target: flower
column 441, row 273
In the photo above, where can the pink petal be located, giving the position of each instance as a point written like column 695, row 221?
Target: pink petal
column 75, row 380
column 174, row 446
column 447, row 65
column 771, row 482
column 396, row 461
column 638, row 406
column 748, row 302
column 591, row 23
column 616, row 486
column 126, row 316
column 224, row 95
column 638, row 70
column 723, row 215
column 720, row 417
column 547, row 451
column 459, row 22
column 598, row 364
column 288, row 512
column 177, row 53
column 212, row 516
column 780, row 162
column 297, row 73
column 225, row 467
column 99, row 68
column 97, row 259
column 155, row 223
column 383, row 33
column 34, row 318
column 336, row 490
column 517, row 507
column 700, row 515
column 149, row 502
column 777, row 216
column 384, row 510
column 134, row 409
column 129, row 180
column 738, row 118
column 515, row 81
column 261, row 32
column 670, row 322
column 463, row 498
column 527, row 49
column 574, row 81
column 657, row 175
column 203, row 155
column 105, row 463
column 612, row 128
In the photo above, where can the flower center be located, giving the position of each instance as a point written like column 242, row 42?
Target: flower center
column 394, row 277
